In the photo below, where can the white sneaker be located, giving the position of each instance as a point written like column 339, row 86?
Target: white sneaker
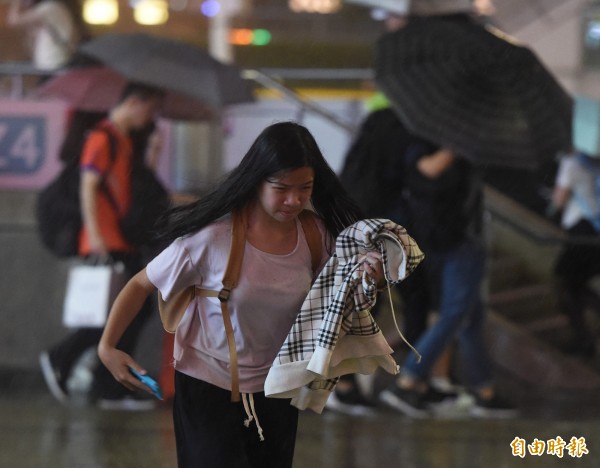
column 52, row 378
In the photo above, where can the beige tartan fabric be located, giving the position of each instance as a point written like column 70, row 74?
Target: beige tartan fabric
column 335, row 333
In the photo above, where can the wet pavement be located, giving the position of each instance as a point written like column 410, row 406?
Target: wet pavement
column 37, row 431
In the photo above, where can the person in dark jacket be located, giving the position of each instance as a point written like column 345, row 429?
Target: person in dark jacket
column 444, row 206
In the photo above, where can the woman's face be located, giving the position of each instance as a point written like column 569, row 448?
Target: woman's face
column 284, row 195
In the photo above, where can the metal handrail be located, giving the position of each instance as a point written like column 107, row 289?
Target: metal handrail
column 329, row 74
column 514, row 215
column 17, row 71
column 267, row 81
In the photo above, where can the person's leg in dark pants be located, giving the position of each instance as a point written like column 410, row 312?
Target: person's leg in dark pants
column 58, row 363
column 575, row 266
column 210, row 430
column 104, row 385
column 279, row 421
column 65, row 354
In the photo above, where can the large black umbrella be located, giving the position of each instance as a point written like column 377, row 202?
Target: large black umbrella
column 470, row 87
column 172, row 65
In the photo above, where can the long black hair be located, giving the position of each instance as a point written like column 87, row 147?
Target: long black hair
column 280, row 147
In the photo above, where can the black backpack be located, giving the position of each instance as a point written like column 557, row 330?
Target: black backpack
column 58, row 210
column 149, row 200
column 58, row 213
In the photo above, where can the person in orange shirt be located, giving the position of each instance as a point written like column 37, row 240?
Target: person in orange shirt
column 105, row 192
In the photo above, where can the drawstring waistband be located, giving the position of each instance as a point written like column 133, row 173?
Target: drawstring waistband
column 248, row 401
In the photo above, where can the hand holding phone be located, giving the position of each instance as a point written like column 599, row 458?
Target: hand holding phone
column 148, row 382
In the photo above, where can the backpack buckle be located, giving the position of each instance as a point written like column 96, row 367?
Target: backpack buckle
column 224, row 294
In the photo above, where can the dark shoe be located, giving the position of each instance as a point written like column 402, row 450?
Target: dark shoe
column 132, row 402
column 351, row 402
column 54, row 380
column 495, row 407
column 408, row 402
column 434, row 397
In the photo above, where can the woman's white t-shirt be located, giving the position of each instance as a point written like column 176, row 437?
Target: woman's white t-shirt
column 580, row 182
column 263, row 306
column 53, row 34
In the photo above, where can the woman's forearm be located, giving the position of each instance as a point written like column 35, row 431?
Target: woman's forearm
column 125, row 308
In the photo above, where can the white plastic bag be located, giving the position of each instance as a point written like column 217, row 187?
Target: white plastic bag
column 91, row 290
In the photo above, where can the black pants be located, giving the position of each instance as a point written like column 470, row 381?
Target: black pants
column 210, row 430
column 65, row 354
column 575, row 266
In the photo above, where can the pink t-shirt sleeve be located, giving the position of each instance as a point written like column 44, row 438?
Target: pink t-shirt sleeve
column 195, row 260
column 173, row 270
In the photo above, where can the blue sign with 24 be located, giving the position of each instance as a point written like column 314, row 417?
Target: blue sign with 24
column 22, row 143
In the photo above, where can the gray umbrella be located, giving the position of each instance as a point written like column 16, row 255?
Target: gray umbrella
column 466, row 86
column 172, row 65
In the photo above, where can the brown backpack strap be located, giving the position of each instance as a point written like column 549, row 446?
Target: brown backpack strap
column 313, row 238
column 230, row 280
column 239, row 221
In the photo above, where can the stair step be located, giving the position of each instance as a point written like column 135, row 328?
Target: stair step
column 534, row 362
column 543, row 325
column 525, row 304
column 506, row 272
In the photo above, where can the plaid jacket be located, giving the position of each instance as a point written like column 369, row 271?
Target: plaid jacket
column 335, row 334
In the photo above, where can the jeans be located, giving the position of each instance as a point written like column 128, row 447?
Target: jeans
column 461, row 314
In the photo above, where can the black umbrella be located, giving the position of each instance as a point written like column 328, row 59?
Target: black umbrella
column 470, row 87
column 172, row 65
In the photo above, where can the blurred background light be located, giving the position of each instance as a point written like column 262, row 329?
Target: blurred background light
column 314, row 6
column 261, row 37
column 245, row 37
column 100, row 11
column 151, row 12
column 240, row 36
column 210, row 8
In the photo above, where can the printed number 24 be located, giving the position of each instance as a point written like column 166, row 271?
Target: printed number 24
column 23, row 149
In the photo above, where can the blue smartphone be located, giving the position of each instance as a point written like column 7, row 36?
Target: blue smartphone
column 149, row 382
